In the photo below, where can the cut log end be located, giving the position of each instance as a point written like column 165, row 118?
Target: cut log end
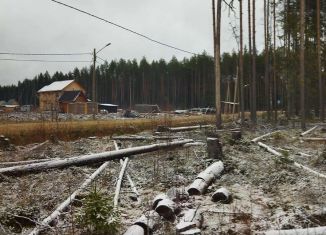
column 221, row 195
column 166, row 208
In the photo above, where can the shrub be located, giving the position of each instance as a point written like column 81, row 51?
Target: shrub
column 97, row 216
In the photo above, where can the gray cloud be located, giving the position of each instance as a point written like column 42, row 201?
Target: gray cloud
column 40, row 26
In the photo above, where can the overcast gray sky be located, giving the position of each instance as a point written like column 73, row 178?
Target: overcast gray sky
column 42, row 26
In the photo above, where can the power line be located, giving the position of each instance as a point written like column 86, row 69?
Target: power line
column 56, row 61
column 46, row 54
column 124, row 28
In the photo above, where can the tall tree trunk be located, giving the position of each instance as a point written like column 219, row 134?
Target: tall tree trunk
column 274, row 63
column 302, row 69
column 241, row 67
column 266, row 34
column 217, row 31
column 254, row 89
column 250, row 59
column 320, row 78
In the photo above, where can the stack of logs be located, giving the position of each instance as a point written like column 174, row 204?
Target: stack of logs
column 166, row 206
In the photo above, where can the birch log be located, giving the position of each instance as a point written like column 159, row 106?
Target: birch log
column 308, row 131
column 27, row 161
column 145, row 224
column 132, row 185
column 271, row 150
column 57, row 212
column 205, row 178
column 188, row 128
column 119, row 183
column 223, row 195
column 141, row 138
column 314, row 139
column 89, row 159
column 303, row 231
column 263, row 136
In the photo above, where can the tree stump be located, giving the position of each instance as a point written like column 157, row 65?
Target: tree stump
column 5, row 144
column 236, row 135
column 214, row 148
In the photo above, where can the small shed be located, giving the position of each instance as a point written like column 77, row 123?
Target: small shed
column 111, row 108
column 71, row 97
column 9, row 108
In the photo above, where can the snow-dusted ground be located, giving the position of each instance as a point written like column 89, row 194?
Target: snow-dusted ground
column 269, row 192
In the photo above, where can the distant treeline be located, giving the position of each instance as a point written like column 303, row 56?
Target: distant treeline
column 170, row 84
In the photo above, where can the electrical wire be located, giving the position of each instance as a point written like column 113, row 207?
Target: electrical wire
column 44, row 54
column 56, row 61
column 124, row 28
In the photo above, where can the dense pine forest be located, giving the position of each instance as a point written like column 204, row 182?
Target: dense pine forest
column 178, row 84
column 173, row 84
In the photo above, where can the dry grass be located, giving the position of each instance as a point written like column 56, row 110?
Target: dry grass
column 31, row 132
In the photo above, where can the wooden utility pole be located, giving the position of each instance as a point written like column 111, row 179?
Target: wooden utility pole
column 217, row 45
column 320, row 78
column 94, row 77
column 241, row 67
column 302, row 69
column 254, row 96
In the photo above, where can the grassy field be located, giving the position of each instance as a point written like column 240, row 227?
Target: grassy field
column 31, row 132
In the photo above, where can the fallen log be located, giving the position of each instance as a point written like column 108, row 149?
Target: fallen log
column 194, row 144
column 188, row 128
column 132, row 185
column 145, row 137
column 119, row 183
column 89, row 159
column 205, row 178
column 145, row 224
column 269, row 149
column 229, row 130
column 135, row 230
column 309, row 131
column 27, row 161
column 314, row 139
column 61, row 208
column 221, row 195
column 263, row 136
column 310, row 170
column 303, row 231
column 159, row 198
column 304, row 154
column 167, row 209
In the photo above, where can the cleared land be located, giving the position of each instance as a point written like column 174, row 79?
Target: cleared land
column 269, row 192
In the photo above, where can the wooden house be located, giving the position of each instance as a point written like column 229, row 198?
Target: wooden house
column 49, row 96
column 71, row 97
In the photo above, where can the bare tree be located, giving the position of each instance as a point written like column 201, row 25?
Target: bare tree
column 254, row 98
column 241, row 66
column 302, row 70
column 274, row 62
column 266, row 39
column 320, row 78
column 217, row 45
column 250, row 56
